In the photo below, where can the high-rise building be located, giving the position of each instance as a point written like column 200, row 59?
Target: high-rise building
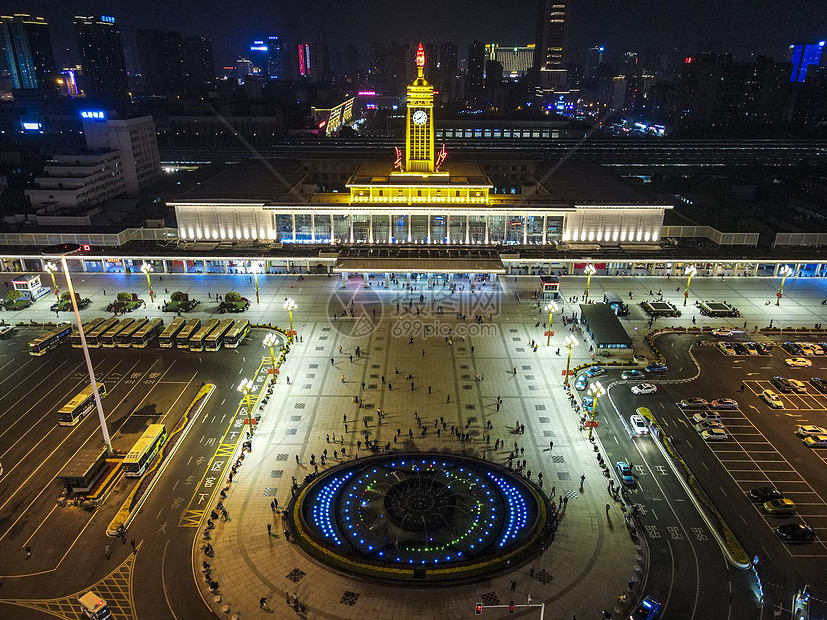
column 267, row 55
column 199, row 63
column 593, row 59
column 551, row 42
column 476, row 66
column 448, row 70
column 101, row 53
column 802, row 56
column 159, row 54
column 516, row 60
column 26, row 51
column 493, row 73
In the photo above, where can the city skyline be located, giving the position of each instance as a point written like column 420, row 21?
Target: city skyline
column 665, row 25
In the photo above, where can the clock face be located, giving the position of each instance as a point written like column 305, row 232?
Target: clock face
column 419, row 117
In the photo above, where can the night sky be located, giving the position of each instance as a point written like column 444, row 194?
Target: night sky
column 740, row 26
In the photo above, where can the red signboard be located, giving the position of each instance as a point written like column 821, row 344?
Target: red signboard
column 590, row 424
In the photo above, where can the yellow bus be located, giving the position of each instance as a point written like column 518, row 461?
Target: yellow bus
column 88, row 327
column 200, row 337
column 108, row 337
column 76, row 409
column 182, row 340
column 216, row 337
column 144, row 450
column 93, row 338
column 123, row 338
column 237, row 334
column 167, row 337
column 147, row 333
column 50, row 339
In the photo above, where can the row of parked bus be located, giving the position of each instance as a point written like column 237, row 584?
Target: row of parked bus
column 113, row 332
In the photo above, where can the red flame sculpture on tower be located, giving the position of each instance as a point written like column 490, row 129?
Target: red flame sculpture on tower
column 420, row 57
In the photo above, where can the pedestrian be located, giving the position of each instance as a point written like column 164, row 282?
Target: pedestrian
column 134, row 544
column 331, row 361
column 550, row 445
column 531, row 572
column 582, row 480
column 607, row 509
column 107, row 551
column 345, row 431
column 429, row 389
column 269, row 529
column 327, row 437
column 343, row 378
column 28, row 551
column 297, row 460
column 513, row 585
column 286, row 535
column 104, row 291
column 262, row 602
column 351, row 359
column 515, row 371
column 449, row 399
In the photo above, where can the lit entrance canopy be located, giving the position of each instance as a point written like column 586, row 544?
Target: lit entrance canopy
column 418, row 260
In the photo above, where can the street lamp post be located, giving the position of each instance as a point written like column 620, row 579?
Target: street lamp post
column 595, row 391
column 785, row 271
column 256, row 268
column 51, row 268
column 290, row 305
column 552, row 307
column 245, row 387
column 62, row 251
column 589, row 271
column 690, row 271
column 569, row 343
column 146, row 268
column 269, row 341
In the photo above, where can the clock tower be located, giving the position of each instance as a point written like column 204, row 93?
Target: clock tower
column 419, row 122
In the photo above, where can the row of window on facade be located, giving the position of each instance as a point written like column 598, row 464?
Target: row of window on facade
column 496, row 133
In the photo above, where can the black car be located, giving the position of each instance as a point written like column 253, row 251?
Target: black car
column 764, row 494
column 792, row 348
column 819, row 384
column 782, row 384
column 764, row 348
column 739, row 348
column 795, row 532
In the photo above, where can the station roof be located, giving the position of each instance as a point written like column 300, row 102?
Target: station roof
column 604, row 325
column 459, row 173
column 418, row 260
column 586, row 184
column 251, row 179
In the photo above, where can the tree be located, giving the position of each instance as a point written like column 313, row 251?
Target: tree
column 124, row 296
column 13, row 295
column 177, row 296
column 232, row 296
column 66, row 296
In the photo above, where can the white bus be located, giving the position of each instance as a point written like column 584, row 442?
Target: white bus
column 88, row 327
column 216, row 337
column 123, row 338
column 182, row 340
column 76, row 409
column 144, row 450
column 93, row 338
column 147, row 333
column 197, row 341
column 108, row 337
column 237, row 334
column 167, row 337
column 50, row 339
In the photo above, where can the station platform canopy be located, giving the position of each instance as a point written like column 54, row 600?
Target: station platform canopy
column 419, row 260
column 603, row 326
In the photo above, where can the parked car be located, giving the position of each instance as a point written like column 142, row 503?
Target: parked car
column 739, row 348
column 806, row 348
column 726, row 348
column 714, row 434
column 782, row 383
column 780, row 506
column 705, row 425
column 705, row 415
column 625, row 473
column 696, row 402
column 799, row 387
column 810, row 429
column 795, row 533
column 798, row 362
column 764, row 348
column 819, row 384
column 792, row 348
column 656, row 367
column 581, row 383
column 764, row 494
column 644, row 388
column 724, row 403
column 816, row 441
column 631, row 374
column 638, row 425
column 595, row 371
column 772, row 399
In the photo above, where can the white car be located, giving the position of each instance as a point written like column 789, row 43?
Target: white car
column 644, row 388
column 772, row 399
column 723, row 333
column 798, row 362
column 726, row 348
column 724, row 403
column 798, row 386
column 6, row 329
column 806, row 348
column 714, row 434
column 703, row 416
column 810, row 429
column 638, row 425
column 706, row 425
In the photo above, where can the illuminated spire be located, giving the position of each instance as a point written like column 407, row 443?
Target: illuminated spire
column 420, row 60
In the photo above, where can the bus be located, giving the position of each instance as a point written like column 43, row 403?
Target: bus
column 108, row 337
column 76, row 409
column 167, row 337
column 147, row 333
column 89, row 326
column 237, row 334
column 50, row 339
column 93, row 338
column 123, row 338
column 144, row 450
column 197, row 341
column 182, row 340
column 216, row 337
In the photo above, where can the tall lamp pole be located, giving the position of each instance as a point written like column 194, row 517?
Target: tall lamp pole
column 256, row 268
column 569, row 343
column 61, row 251
column 552, row 307
column 269, row 341
column 785, row 271
column 589, row 271
column 246, row 386
column 147, row 268
column 595, row 391
column 290, row 305
column 690, row 271
column 51, row 268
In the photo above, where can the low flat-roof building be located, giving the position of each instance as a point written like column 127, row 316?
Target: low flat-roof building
column 603, row 327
